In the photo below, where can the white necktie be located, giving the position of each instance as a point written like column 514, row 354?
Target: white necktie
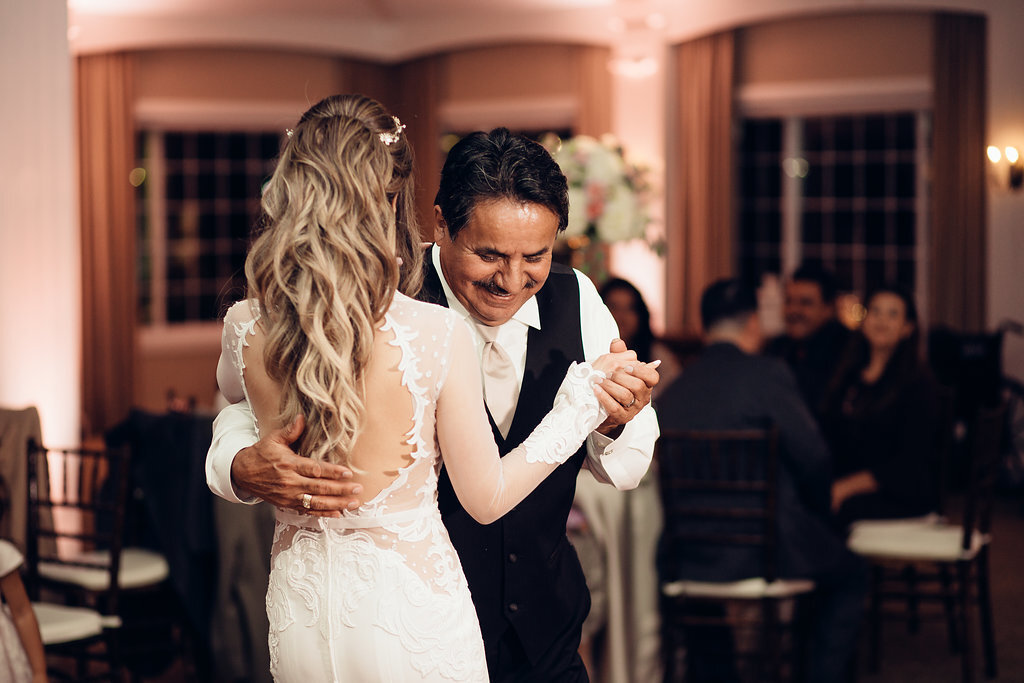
column 499, row 379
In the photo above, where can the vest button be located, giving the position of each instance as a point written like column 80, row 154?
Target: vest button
column 513, row 607
column 512, row 557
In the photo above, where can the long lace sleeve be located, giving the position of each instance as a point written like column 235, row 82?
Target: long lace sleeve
column 487, row 485
column 239, row 322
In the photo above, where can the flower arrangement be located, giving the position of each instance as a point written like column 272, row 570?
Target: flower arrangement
column 607, row 194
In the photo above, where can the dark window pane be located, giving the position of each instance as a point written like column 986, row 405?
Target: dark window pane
column 905, row 228
column 874, row 133
column 175, row 187
column 874, row 232
column 844, row 180
column 174, row 146
column 874, row 180
column 906, row 180
column 206, row 184
column 843, row 133
column 270, row 145
column 906, row 132
column 814, row 135
column 238, row 185
column 812, row 182
column 812, row 227
column 906, row 273
column 206, row 146
column 843, row 222
column 874, row 272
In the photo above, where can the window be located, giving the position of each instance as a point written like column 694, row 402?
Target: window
column 197, row 207
column 843, row 192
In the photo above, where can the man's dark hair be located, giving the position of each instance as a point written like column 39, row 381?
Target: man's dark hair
column 726, row 300
column 499, row 165
column 825, row 280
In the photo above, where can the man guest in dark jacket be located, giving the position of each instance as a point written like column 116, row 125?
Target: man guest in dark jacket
column 814, row 339
column 730, row 386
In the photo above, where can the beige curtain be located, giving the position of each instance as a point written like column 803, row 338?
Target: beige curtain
column 106, row 135
column 700, row 232
column 417, row 100
column 959, row 200
column 593, row 91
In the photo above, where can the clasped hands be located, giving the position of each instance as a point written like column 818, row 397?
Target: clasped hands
column 272, row 471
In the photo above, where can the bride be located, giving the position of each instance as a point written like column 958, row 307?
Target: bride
column 331, row 334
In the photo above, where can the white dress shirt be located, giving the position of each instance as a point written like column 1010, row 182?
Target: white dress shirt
column 621, row 462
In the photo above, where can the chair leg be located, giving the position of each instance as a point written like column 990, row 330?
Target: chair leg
column 949, row 605
column 875, row 619
column 985, row 614
column 963, row 570
column 771, row 634
column 913, row 616
column 671, row 648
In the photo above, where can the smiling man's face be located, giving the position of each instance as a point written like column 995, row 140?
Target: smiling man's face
column 500, row 258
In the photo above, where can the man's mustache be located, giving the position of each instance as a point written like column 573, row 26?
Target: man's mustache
column 497, row 290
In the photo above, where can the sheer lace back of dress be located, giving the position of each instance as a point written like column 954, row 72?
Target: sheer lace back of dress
column 419, row 335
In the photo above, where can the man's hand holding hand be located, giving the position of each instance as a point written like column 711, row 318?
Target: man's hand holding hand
column 271, row 470
column 627, row 392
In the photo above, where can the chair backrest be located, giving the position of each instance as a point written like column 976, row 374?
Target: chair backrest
column 986, row 441
column 76, row 512
column 718, row 489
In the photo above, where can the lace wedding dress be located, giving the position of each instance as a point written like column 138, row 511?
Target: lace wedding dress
column 379, row 594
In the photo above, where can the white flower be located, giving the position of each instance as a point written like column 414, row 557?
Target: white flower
column 618, row 222
column 604, row 166
column 577, row 213
column 605, row 199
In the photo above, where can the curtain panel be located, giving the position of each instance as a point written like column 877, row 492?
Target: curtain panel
column 959, row 219
column 700, row 231
column 106, row 155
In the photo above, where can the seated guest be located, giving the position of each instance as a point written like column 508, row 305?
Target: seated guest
column 731, row 387
column 814, row 339
column 881, row 417
column 633, row 319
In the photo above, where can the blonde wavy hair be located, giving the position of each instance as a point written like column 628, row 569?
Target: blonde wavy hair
column 338, row 214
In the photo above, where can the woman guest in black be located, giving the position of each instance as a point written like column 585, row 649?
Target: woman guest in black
column 633, row 319
column 881, row 417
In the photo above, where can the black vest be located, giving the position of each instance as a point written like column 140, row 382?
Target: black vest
column 522, row 571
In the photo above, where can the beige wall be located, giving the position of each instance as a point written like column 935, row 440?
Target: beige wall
column 835, row 47
column 188, row 372
column 208, row 74
column 508, row 72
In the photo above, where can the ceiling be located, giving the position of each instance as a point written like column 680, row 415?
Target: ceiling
column 381, row 29
column 393, row 30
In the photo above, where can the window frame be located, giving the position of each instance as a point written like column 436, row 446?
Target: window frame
column 156, row 116
column 792, row 102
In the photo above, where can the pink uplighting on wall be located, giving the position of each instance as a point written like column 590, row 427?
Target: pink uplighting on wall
column 40, row 281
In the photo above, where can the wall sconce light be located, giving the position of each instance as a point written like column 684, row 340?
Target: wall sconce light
column 1015, row 166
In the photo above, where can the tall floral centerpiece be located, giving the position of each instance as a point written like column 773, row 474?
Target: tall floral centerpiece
column 607, row 198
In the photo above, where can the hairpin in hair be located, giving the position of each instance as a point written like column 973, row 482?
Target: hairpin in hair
column 388, row 137
column 288, row 132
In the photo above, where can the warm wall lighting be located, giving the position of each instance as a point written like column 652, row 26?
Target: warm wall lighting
column 634, row 67
column 1014, row 166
